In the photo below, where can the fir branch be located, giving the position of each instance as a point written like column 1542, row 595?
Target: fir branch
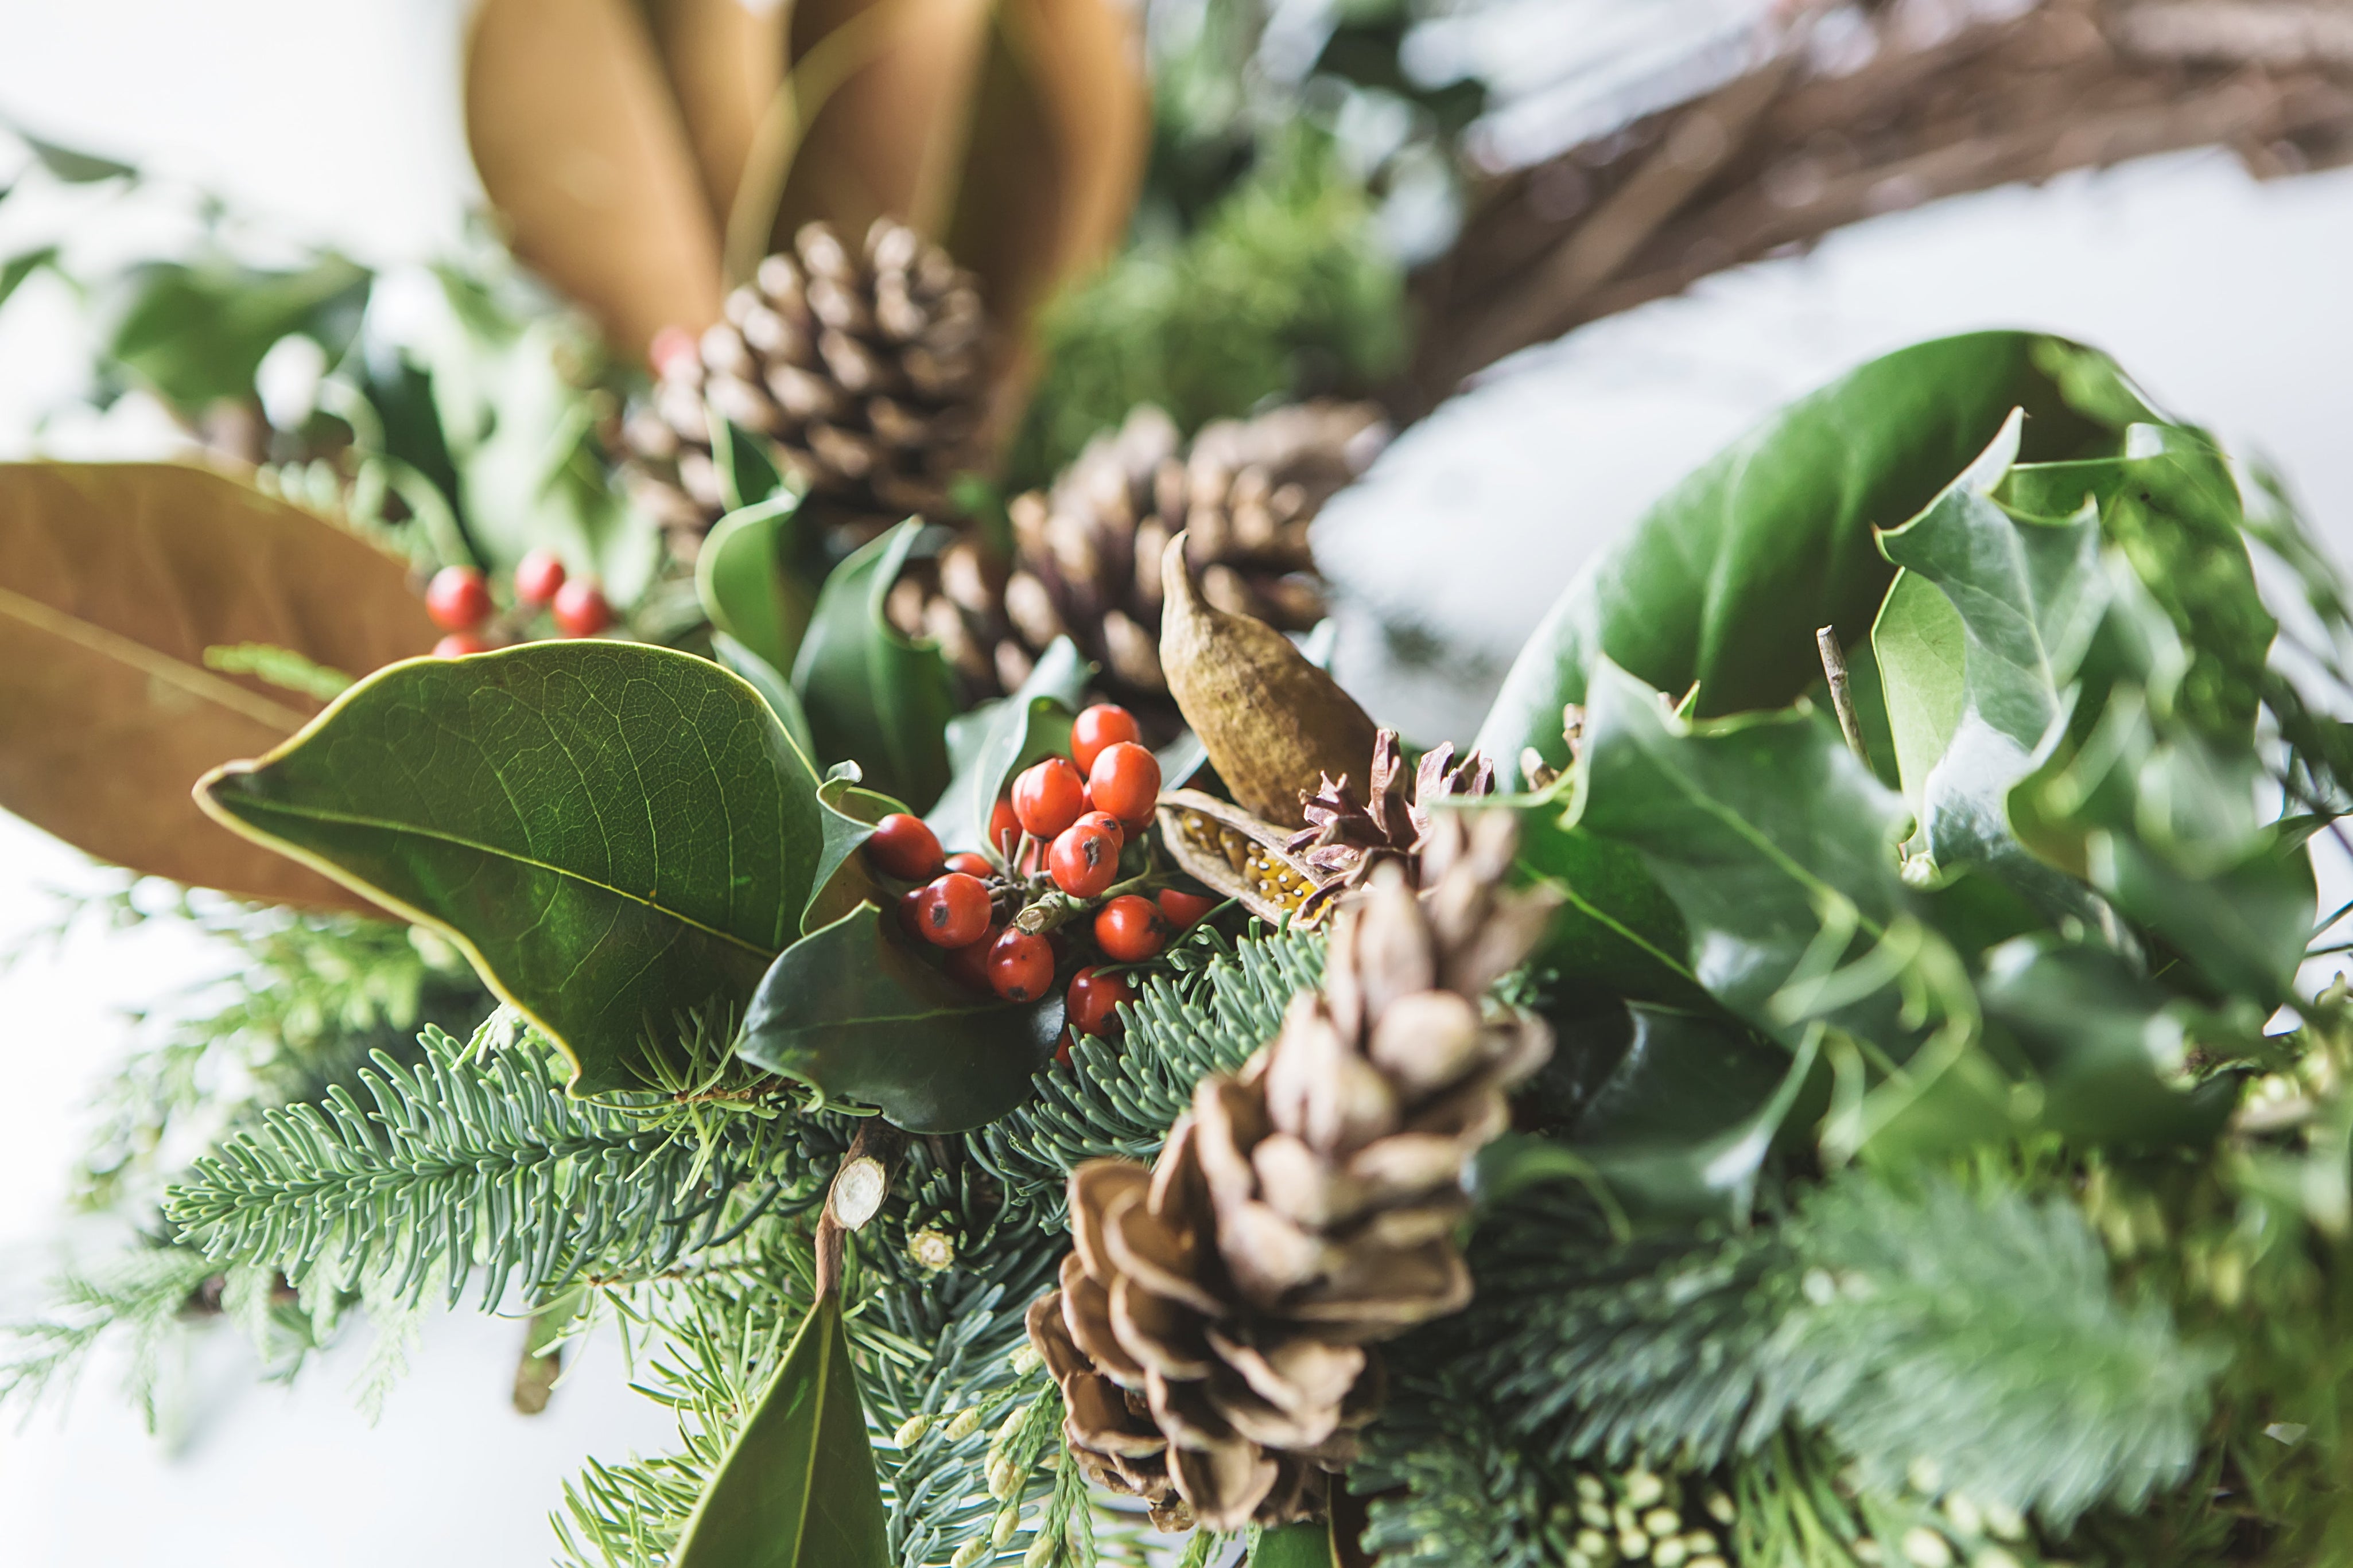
column 467, row 1166
column 138, row 1298
column 1120, row 1099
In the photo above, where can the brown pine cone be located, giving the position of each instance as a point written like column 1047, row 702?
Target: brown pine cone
column 866, row 368
column 1350, row 831
column 1210, row 1334
column 1087, row 552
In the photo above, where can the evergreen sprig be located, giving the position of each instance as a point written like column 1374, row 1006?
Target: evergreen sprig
column 473, row 1165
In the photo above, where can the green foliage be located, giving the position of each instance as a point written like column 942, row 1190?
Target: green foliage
column 1279, row 292
column 460, row 1165
column 740, row 577
column 540, row 805
column 136, row 1298
column 873, row 696
column 196, row 333
column 989, row 745
column 1225, row 1002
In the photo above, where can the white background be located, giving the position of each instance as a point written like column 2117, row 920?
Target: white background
column 337, row 117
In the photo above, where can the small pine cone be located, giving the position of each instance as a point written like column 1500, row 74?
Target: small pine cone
column 866, row 369
column 1087, row 552
column 1345, row 837
column 1212, row 1330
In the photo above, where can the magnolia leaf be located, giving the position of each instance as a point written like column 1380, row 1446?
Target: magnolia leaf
column 1307, row 1545
column 1725, row 579
column 873, row 696
column 799, row 1486
column 617, row 836
column 745, row 586
column 850, row 1010
column 725, row 61
column 997, row 740
column 1014, row 131
column 762, row 678
column 579, row 142
column 115, row 579
column 1764, row 829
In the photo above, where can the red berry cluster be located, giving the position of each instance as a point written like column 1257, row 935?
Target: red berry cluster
column 1057, row 839
column 459, row 601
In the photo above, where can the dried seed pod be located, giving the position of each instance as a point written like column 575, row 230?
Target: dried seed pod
column 1235, row 854
column 1272, row 723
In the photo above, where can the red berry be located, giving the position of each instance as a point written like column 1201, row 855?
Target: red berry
column 904, row 846
column 1004, row 828
column 914, row 908
column 1125, row 781
column 457, row 644
column 581, row 610
column 968, row 965
column 957, row 914
column 1092, row 998
column 1104, row 724
column 971, row 865
column 674, row 353
column 1049, row 797
column 1020, row 966
column 1107, row 822
column 1129, row 929
column 458, row 598
column 1181, row 909
column 537, row 576
column 1084, row 860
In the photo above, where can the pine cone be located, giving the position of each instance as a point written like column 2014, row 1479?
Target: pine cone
column 1210, row 1334
column 1087, row 552
column 1346, row 837
column 865, row 368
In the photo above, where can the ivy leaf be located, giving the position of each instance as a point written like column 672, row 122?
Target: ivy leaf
column 617, row 836
column 115, row 578
column 851, row 1012
column 740, row 574
column 997, row 740
column 871, row 695
column 1725, row 579
column 797, row 1489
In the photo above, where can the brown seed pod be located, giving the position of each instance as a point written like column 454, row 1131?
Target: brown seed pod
column 1233, row 853
column 1272, row 723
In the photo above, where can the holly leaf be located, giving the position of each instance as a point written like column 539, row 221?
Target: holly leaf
column 873, row 696
column 798, row 1488
column 115, row 578
column 1725, row 579
column 745, row 586
column 850, row 1010
column 617, row 836
column 997, row 740
column 842, row 883
column 1616, row 929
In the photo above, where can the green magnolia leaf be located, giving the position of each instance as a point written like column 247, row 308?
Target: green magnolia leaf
column 871, row 695
column 850, row 1011
column 763, row 678
column 741, row 576
column 997, row 740
column 1725, row 579
column 798, row 1487
column 1307, row 1545
column 197, row 333
column 1765, row 831
column 2027, row 595
column 1616, row 929
column 616, row 835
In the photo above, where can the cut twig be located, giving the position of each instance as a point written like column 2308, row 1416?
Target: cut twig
column 1841, row 694
column 859, row 1189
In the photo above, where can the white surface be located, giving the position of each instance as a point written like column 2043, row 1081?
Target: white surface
column 2227, row 298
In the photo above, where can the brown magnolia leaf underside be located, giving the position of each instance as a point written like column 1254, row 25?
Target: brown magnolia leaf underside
column 724, row 60
column 114, row 578
column 578, row 137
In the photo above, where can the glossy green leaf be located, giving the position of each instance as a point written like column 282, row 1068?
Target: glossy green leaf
column 746, row 589
column 1922, row 653
column 2028, row 595
column 798, row 1487
column 1725, row 579
column 197, row 333
column 1307, row 1545
column 1764, row 829
column 1616, row 929
column 16, row 268
column 763, row 678
column 852, row 1011
column 749, row 472
column 616, row 835
column 997, row 740
column 842, row 882
column 73, row 166
column 873, row 696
